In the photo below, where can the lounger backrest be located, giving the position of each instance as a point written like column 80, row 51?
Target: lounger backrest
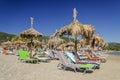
column 51, row 54
column 55, row 54
column 23, row 54
column 65, row 58
column 68, row 62
column 71, row 57
column 60, row 57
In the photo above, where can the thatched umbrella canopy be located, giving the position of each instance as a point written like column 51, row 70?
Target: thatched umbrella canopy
column 35, row 44
column 105, row 44
column 7, row 43
column 63, row 31
column 88, row 33
column 75, row 29
column 18, row 42
column 54, row 42
column 98, row 41
column 38, row 43
column 31, row 33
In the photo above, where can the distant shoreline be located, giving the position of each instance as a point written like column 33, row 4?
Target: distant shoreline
column 117, row 53
column 111, row 51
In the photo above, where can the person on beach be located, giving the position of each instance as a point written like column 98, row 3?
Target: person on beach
column 32, row 50
column 31, row 47
column 34, row 54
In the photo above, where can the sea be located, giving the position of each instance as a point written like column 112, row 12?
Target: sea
column 115, row 53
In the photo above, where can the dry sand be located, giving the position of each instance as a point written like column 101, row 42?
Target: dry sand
column 12, row 69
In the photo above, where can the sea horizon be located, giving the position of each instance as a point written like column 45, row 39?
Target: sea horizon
column 114, row 53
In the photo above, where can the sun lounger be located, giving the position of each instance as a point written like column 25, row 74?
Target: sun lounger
column 16, row 52
column 39, row 58
column 65, row 63
column 40, row 53
column 24, row 56
column 95, row 58
column 51, row 54
column 4, row 51
column 71, row 57
column 98, row 54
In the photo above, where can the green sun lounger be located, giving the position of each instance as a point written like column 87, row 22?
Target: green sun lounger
column 24, row 56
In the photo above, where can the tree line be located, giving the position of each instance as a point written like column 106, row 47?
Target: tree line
column 5, row 37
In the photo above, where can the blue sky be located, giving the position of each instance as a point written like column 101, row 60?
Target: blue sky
column 50, row 15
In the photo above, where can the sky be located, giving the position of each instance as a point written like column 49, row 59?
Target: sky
column 51, row 15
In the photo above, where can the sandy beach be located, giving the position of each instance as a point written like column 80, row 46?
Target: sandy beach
column 12, row 69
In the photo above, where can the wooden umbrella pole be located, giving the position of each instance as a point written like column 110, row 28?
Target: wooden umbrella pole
column 31, row 46
column 76, row 55
column 31, row 50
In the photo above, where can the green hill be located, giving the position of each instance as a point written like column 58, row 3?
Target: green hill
column 113, row 46
column 5, row 36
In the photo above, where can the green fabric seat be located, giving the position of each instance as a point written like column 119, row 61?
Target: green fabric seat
column 24, row 55
column 87, row 66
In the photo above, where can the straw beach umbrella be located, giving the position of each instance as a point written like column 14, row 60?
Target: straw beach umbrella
column 7, row 44
column 75, row 29
column 63, row 31
column 18, row 42
column 31, row 33
column 54, row 42
column 88, row 33
column 98, row 41
column 38, row 43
